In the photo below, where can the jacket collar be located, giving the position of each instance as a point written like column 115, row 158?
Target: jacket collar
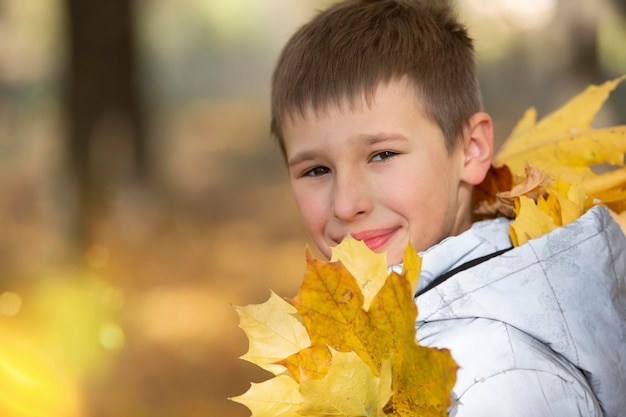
column 482, row 239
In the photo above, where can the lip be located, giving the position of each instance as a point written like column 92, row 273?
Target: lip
column 375, row 239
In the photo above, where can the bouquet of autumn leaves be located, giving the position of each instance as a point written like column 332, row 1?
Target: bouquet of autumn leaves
column 548, row 173
column 346, row 344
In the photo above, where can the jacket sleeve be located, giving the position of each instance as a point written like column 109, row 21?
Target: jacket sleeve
column 504, row 372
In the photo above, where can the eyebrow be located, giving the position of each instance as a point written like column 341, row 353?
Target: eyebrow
column 368, row 139
column 373, row 139
column 302, row 157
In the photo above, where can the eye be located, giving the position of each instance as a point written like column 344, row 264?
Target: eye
column 316, row 172
column 381, row 156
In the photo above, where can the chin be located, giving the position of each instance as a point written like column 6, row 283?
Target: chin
column 394, row 259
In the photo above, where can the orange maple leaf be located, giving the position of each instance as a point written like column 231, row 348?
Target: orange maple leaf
column 485, row 198
column 331, row 305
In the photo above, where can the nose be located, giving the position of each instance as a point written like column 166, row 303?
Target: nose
column 351, row 196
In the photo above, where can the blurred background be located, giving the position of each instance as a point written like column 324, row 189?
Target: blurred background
column 141, row 195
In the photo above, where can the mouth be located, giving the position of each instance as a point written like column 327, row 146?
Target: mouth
column 375, row 239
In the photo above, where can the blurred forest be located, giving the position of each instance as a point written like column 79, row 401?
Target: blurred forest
column 141, row 194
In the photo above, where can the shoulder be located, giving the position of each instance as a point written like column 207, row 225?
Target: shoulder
column 503, row 371
column 538, row 315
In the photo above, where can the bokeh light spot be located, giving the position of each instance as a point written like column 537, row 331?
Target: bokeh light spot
column 112, row 337
column 10, row 303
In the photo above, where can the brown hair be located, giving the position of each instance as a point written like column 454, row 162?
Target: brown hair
column 346, row 51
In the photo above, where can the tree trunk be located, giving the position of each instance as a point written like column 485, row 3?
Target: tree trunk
column 106, row 127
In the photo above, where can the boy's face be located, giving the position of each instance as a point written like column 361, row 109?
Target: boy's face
column 380, row 173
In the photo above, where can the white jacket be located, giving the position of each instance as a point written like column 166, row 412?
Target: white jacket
column 537, row 331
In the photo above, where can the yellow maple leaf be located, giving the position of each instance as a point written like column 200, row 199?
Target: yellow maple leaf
column 563, row 147
column 573, row 117
column 349, row 388
column 276, row 397
column 571, row 200
column 411, row 266
column 274, row 330
column 530, row 222
column 369, row 270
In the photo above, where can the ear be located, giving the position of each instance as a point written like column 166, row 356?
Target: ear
column 477, row 148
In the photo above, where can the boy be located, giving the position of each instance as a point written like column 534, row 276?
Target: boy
column 377, row 111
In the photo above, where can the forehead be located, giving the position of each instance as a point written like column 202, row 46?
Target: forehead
column 359, row 101
column 394, row 110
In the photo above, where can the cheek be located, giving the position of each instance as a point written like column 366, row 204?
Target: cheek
column 425, row 205
column 314, row 219
column 410, row 195
column 311, row 210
